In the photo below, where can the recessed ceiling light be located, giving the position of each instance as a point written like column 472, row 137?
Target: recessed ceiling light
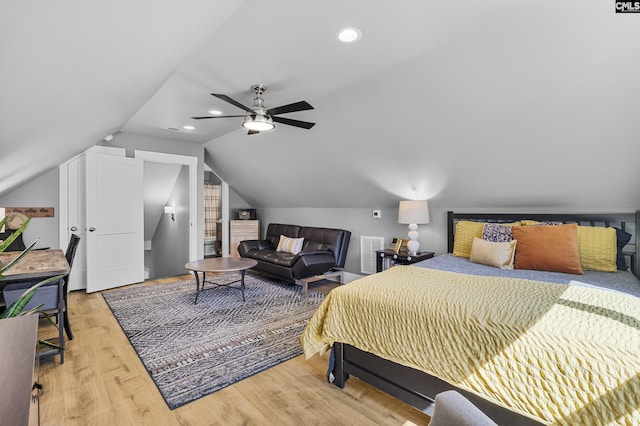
column 349, row 35
column 188, row 127
column 214, row 112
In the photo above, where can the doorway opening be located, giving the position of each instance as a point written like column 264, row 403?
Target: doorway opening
column 183, row 199
column 212, row 215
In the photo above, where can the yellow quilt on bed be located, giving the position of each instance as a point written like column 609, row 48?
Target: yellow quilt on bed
column 563, row 354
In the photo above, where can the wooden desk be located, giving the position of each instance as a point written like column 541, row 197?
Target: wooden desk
column 36, row 265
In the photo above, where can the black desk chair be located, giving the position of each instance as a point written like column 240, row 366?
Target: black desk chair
column 70, row 254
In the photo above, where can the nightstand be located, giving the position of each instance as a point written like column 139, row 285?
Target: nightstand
column 399, row 258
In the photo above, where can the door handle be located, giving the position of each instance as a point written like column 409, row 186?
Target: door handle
column 74, row 228
column 91, row 229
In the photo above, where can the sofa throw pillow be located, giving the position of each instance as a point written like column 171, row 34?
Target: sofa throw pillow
column 548, row 248
column 290, row 245
column 497, row 254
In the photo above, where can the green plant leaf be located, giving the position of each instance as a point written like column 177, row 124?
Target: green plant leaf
column 17, row 259
column 49, row 344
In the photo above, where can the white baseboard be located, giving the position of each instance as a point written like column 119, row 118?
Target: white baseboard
column 350, row 276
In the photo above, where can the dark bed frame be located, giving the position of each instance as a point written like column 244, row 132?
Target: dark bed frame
column 419, row 389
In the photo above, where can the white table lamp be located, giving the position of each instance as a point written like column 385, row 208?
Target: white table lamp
column 413, row 213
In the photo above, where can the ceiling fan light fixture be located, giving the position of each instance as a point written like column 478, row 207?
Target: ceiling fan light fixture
column 258, row 122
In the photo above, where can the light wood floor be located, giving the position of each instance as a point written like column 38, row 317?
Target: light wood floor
column 103, row 382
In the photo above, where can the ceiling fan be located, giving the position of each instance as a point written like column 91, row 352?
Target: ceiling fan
column 258, row 118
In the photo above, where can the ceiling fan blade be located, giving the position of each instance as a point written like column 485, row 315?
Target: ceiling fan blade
column 291, row 122
column 296, row 106
column 216, row 116
column 231, row 101
column 252, row 132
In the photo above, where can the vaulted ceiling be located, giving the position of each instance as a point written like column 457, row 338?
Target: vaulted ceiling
column 493, row 103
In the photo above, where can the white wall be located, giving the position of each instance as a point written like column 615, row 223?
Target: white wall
column 40, row 192
column 170, row 243
column 360, row 221
column 433, row 236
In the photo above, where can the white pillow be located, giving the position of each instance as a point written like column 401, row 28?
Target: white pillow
column 492, row 253
column 290, row 245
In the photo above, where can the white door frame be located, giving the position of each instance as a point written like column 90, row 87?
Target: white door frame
column 192, row 163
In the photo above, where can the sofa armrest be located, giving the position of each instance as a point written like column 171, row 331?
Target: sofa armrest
column 245, row 246
column 314, row 263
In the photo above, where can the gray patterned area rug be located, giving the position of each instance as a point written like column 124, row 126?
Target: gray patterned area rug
column 191, row 351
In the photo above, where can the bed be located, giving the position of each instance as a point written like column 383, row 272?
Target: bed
column 526, row 346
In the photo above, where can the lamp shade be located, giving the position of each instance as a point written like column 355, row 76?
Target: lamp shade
column 411, row 211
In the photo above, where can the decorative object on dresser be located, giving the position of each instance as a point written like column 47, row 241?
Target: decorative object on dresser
column 413, row 213
column 299, row 254
column 246, row 214
column 241, row 230
column 191, row 351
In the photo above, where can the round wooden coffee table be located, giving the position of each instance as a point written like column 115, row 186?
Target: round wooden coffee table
column 217, row 265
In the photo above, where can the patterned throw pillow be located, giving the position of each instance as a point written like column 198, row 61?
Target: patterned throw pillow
column 290, row 245
column 528, row 222
column 497, row 233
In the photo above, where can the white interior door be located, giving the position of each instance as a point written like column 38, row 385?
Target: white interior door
column 76, row 208
column 115, row 222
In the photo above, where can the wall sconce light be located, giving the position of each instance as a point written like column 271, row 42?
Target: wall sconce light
column 170, row 210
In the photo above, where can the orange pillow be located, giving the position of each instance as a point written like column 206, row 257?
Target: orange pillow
column 548, row 248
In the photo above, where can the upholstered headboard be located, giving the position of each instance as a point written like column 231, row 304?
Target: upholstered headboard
column 628, row 222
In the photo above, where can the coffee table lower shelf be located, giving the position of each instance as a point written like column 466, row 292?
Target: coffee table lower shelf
column 218, row 265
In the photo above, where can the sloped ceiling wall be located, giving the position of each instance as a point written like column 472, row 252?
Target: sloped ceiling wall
column 493, row 103
column 74, row 72
column 498, row 118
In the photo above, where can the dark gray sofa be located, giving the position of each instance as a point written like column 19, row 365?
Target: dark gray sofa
column 323, row 255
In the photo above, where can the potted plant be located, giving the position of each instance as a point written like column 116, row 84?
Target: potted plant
column 17, row 307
